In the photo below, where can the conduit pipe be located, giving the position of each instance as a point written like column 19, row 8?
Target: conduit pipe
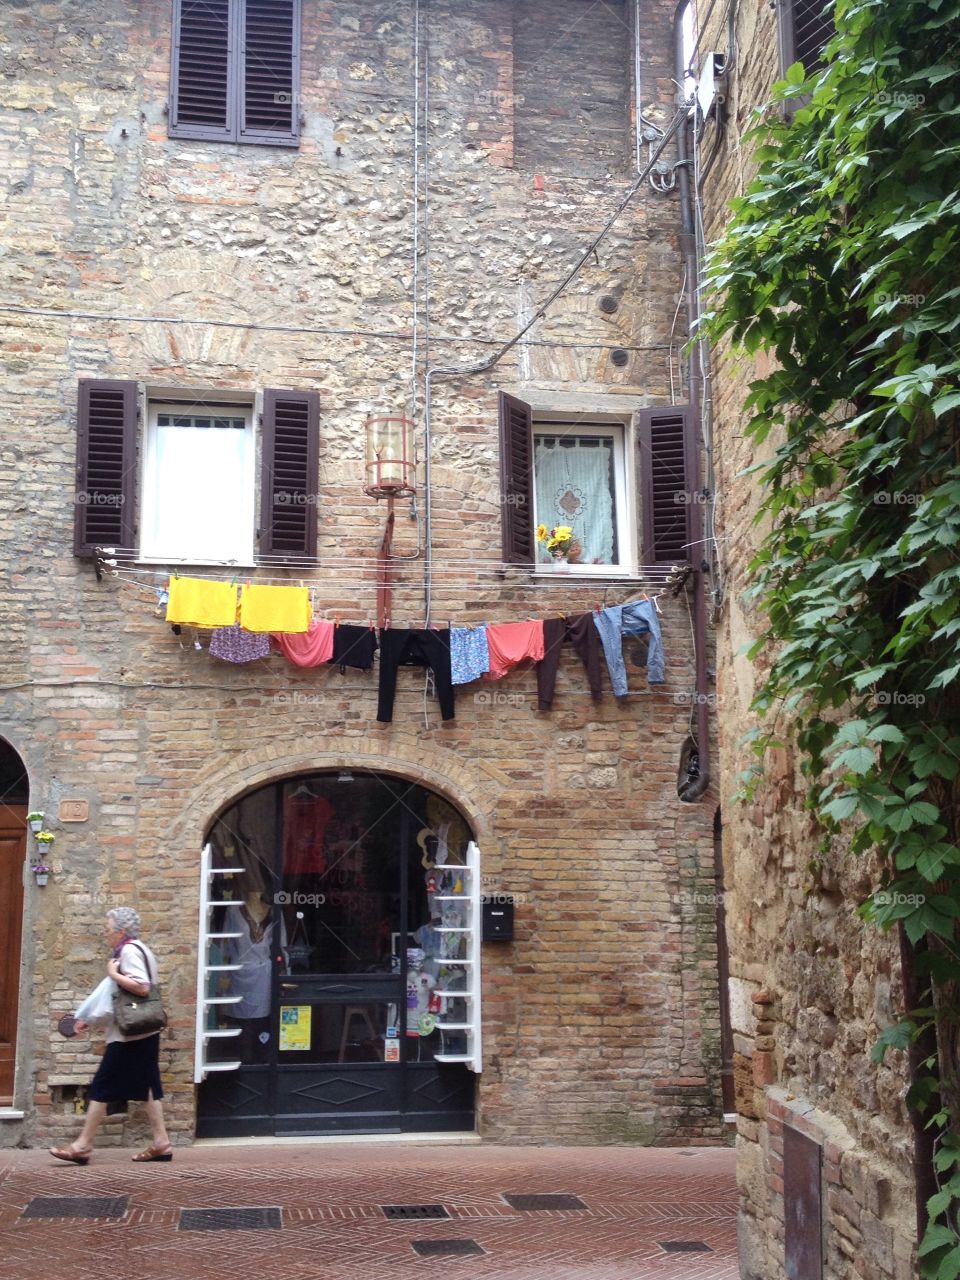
column 694, row 442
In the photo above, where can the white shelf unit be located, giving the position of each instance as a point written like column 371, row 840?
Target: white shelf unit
column 471, row 1029
column 205, row 1002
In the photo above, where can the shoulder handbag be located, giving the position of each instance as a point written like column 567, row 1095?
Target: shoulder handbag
column 139, row 1015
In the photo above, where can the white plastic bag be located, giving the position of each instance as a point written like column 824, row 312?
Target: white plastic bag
column 98, row 1006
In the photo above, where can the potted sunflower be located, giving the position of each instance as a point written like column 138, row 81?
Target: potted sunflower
column 561, row 546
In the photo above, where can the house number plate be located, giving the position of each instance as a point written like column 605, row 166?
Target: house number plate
column 74, row 810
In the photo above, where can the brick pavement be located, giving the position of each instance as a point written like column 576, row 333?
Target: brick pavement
column 332, row 1225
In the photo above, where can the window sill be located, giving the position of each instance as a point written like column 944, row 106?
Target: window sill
column 586, row 572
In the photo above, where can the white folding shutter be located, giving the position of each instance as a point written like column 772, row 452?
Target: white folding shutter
column 207, row 1003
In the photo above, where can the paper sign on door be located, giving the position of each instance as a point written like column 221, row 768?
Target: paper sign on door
column 294, row 1027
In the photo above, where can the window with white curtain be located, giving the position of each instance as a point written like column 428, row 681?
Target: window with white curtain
column 198, row 482
column 580, row 481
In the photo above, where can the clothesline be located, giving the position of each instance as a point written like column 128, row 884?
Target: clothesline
column 319, row 608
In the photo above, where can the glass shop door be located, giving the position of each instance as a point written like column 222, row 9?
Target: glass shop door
column 328, row 1014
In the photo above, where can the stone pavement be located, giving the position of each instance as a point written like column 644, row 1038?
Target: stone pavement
column 645, row 1213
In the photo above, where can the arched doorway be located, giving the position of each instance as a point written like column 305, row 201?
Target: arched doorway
column 14, row 790
column 331, row 955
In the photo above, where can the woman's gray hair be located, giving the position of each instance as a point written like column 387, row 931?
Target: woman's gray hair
column 125, row 919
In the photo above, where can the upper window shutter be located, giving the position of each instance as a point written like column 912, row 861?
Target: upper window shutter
column 270, row 71
column 203, row 76
column 805, row 27
column 291, row 465
column 516, row 480
column 663, row 470
column 106, row 461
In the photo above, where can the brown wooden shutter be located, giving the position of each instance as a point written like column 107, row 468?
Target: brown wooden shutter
column 804, row 29
column 290, row 465
column 270, row 72
column 203, row 76
column 106, row 465
column 516, row 480
column 663, row 468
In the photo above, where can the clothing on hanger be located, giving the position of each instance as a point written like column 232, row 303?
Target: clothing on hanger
column 234, row 644
column 636, row 619
column 510, row 643
column 311, row 649
column 200, row 602
column 305, row 820
column 353, row 646
column 275, row 609
column 469, row 654
column 416, row 648
column 580, row 631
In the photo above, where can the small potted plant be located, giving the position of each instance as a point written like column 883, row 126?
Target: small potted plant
column 35, row 819
column 46, row 838
column 42, row 872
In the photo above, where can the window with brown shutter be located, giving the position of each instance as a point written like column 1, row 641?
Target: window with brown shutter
column 235, row 73
column 663, row 470
column 516, row 480
column 290, row 467
column 804, row 28
column 105, row 497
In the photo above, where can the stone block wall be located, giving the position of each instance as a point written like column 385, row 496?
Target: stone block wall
column 811, row 987
column 213, row 267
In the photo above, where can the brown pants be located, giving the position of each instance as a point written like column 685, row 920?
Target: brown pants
column 581, row 631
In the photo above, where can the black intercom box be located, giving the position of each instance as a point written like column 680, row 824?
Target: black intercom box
column 497, row 911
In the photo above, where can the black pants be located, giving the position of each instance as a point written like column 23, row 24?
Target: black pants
column 581, row 631
column 400, row 647
column 353, row 647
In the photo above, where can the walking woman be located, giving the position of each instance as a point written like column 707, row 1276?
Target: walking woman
column 130, row 1067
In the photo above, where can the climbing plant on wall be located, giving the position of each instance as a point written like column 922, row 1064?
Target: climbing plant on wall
column 842, row 261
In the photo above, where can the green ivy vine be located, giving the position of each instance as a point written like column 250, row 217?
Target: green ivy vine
column 842, row 261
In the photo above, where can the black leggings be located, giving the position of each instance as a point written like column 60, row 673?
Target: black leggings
column 582, row 633
column 401, row 647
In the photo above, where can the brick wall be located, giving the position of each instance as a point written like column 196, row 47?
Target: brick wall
column 601, row 1018
column 810, row 987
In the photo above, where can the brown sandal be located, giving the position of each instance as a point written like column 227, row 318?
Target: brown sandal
column 71, row 1154
column 153, row 1155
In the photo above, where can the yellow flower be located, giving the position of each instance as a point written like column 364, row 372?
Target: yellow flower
column 563, row 532
column 541, row 533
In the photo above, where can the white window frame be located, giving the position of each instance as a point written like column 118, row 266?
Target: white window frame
column 197, row 402
column 625, row 486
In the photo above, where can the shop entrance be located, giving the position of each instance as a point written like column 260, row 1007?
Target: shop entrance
column 325, row 957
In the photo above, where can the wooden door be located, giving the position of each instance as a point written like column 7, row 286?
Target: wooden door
column 13, row 842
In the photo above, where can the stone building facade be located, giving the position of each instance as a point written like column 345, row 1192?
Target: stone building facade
column 822, row 1131
column 447, row 165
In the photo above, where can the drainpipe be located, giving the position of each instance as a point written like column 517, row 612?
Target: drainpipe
column 917, row 995
column 694, row 443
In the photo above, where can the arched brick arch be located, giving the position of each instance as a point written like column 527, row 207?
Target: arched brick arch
column 438, row 771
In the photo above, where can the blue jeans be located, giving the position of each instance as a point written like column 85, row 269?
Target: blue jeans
column 637, row 619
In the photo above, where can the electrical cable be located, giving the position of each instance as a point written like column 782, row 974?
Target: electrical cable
column 48, row 313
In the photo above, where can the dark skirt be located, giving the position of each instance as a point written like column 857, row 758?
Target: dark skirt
column 128, row 1069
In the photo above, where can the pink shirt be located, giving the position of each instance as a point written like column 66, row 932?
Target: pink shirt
column 311, row 648
column 513, row 642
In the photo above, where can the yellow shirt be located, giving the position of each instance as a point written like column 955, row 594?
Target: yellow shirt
column 202, row 603
column 275, row 609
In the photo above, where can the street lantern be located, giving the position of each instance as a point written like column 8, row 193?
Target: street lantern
column 390, row 471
